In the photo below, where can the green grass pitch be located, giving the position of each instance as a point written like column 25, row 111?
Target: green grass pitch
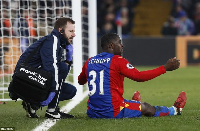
column 161, row 91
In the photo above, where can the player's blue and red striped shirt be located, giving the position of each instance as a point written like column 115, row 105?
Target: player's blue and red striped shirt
column 105, row 74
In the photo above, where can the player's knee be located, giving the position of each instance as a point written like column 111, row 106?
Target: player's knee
column 147, row 109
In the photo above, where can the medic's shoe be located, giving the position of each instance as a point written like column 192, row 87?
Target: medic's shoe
column 180, row 102
column 136, row 96
column 57, row 114
column 31, row 113
column 64, row 115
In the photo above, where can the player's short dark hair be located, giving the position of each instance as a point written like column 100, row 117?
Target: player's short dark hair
column 62, row 22
column 108, row 38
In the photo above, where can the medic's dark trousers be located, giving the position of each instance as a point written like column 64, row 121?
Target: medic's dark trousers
column 66, row 91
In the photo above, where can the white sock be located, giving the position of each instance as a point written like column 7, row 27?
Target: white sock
column 32, row 111
column 175, row 110
column 51, row 109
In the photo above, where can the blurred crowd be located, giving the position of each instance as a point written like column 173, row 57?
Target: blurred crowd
column 184, row 18
column 32, row 19
column 112, row 14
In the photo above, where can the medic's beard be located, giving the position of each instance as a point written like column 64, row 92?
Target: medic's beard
column 67, row 42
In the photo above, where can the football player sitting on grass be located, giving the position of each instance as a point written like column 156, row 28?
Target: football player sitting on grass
column 105, row 74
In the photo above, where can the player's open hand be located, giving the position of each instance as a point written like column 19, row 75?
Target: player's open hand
column 172, row 64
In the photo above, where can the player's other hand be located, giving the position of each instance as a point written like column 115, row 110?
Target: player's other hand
column 172, row 64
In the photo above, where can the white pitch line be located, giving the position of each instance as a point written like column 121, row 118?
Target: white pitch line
column 48, row 123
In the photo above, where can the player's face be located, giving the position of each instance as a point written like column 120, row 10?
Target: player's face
column 118, row 47
column 69, row 32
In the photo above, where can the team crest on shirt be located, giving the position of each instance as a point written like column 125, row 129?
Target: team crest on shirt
column 129, row 66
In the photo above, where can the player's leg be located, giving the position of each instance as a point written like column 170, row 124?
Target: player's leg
column 148, row 110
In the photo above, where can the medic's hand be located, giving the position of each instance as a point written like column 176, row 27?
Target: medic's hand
column 48, row 100
column 69, row 52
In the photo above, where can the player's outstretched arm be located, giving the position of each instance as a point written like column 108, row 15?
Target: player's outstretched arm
column 172, row 64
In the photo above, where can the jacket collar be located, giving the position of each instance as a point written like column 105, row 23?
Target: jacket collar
column 63, row 40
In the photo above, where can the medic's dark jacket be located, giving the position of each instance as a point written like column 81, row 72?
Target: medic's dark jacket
column 48, row 57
